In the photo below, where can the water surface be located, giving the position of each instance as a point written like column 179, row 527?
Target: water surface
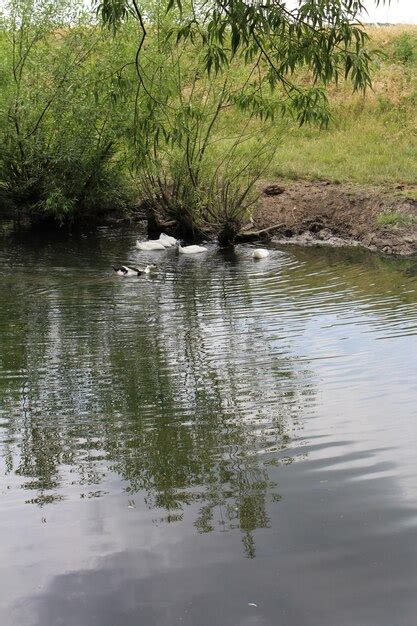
column 224, row 442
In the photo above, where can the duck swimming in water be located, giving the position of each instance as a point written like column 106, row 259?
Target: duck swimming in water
column 152, row 244
column 123, row 270
column 260, row 253
column 166, row 239
column 191, row 249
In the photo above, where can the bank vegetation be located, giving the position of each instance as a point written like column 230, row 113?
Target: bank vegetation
column 97, row 119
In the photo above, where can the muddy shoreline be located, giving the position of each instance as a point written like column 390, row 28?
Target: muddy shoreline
column 306, row 213
column 325, row 213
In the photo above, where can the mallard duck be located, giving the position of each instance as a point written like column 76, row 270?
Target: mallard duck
column 123, row 270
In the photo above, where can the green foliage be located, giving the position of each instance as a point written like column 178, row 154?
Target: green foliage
column 189, row 104
column 180, row 116
column 287, row 59
column 405, row 48
column 323, row 36
column 396, row 218
column 370, row 140
column 59, row 128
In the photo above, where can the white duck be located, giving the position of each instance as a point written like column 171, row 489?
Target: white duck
column 166, row 239
column 191, row 249
column 123, row 270
column 151, row 244
column 260, row 253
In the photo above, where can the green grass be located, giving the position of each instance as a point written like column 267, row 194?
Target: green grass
column 396, row 218
column 408, row 194
column 363, row 151
column 372, row 139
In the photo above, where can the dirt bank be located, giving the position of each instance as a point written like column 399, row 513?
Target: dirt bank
column 312, row 213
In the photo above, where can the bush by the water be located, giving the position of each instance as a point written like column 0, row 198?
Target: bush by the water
column 60, row 123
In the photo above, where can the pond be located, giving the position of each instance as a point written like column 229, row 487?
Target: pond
column 224, row 442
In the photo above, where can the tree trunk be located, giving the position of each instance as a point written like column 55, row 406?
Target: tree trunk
column 228, row 233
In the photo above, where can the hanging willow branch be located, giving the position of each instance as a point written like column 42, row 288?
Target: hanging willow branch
column 324, row 36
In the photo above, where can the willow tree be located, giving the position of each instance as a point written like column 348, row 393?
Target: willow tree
column 294, row 52
column 325, row 36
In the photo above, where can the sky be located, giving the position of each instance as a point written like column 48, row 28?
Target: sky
column 399, row 11
column 396, row 12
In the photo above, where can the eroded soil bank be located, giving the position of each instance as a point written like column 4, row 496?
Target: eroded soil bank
column 312, row 213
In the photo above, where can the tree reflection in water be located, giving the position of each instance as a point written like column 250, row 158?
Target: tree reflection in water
column 181, row 386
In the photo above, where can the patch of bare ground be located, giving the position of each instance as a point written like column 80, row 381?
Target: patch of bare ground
column 324, row 213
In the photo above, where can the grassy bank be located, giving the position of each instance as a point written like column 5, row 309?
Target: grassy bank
column 372, row 139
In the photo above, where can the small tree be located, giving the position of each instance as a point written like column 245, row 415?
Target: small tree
column 190, row 175
column 293, row 52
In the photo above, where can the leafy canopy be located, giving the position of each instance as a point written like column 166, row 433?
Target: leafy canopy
column 322, row 36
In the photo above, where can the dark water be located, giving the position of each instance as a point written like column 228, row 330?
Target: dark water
column 226, row 443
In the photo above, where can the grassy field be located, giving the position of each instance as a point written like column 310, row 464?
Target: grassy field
column 372, row 140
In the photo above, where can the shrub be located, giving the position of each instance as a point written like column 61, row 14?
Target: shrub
column 405, row 48
column 59, row 138
column 194, row 170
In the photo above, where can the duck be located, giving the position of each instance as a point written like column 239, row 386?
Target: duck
column 190, row 249
column 166, row 239
column 260, row 253
column 151, row 244
column 123, row 270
